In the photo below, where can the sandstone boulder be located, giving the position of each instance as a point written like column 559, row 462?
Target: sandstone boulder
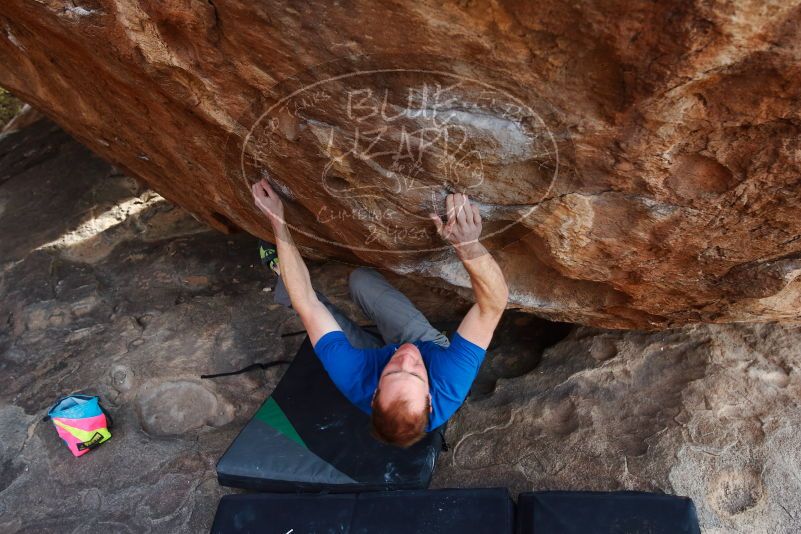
column 637, row 163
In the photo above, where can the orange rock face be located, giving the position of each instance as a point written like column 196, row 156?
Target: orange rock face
column 636, row 163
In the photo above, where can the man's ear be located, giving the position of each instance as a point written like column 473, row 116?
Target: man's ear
column 430, row 406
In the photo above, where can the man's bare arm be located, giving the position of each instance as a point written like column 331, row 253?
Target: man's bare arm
column 463, row 229
column 314, row 315
column 491, row 292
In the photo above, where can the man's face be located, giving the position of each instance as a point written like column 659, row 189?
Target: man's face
column 405, row 377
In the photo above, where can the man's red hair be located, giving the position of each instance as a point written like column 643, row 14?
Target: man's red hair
column 396, row 424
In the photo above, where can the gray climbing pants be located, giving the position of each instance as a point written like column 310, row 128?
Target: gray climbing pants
column 397, row 319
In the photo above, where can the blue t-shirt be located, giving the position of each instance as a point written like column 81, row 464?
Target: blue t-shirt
column 355, row 372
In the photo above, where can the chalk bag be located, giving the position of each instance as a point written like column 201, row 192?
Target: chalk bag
column 81, row 422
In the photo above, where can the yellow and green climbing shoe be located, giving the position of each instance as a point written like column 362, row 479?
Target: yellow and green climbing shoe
column 269, row 256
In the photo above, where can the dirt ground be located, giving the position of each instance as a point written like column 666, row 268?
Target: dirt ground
column 108, row 289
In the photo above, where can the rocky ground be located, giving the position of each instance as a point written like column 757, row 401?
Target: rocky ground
column 108, row 289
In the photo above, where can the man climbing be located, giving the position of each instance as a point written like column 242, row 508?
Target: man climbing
column 414, row 379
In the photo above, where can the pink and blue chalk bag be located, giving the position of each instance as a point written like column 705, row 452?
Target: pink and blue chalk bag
column 81, row 422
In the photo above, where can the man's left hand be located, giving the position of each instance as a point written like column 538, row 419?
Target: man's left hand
column 463, row 227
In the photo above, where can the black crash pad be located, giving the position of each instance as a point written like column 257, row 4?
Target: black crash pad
column 456, row 511
column 591, row 512
column 308, row 437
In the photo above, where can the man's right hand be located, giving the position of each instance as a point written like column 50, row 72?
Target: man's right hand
column 268, row 201
column 313, row 313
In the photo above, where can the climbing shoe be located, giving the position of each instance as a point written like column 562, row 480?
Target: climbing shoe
column 269, row 256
